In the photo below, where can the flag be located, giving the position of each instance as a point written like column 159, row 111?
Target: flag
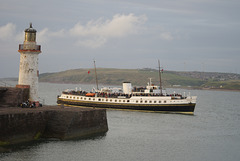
column 88, row 72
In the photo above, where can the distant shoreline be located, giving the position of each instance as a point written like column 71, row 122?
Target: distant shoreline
column 191, row 88
column 181, row 87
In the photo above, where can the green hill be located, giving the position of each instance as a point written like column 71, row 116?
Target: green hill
column 139, row 77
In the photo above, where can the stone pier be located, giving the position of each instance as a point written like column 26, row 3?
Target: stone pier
column 19, row 125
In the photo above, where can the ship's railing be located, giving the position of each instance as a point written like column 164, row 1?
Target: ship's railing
column 29, row 47
column 116, row 95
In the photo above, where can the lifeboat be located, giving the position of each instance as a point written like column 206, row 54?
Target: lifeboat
column 90, row 94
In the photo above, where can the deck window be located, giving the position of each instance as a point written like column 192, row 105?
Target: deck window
column 165, row 101
column 99, row 99
column 127, row 100
column 155, row 101
column 67, row 97
column 159, row 101
column 136, row 101
column 145, row 101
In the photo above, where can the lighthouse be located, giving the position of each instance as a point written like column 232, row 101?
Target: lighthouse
column 28, row 68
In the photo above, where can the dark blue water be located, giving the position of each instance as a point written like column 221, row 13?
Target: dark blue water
column 212, row 134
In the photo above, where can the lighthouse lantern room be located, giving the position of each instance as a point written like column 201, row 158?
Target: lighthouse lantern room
column 28, row 68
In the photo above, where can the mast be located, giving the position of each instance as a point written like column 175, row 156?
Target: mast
column 95, row 73
column 160, row 78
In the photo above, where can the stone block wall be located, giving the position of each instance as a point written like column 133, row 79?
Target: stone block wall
column 12, row 97
column 20, row 125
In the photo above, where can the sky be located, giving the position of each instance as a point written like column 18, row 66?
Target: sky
column 185, row 35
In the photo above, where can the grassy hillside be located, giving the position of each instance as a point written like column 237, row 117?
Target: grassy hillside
column 116, row 76
column 139, row 77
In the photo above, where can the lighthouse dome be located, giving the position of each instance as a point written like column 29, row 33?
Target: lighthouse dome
column 30, row 29
column 30, row 34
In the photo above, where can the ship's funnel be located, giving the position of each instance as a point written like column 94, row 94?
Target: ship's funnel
column 127, row 88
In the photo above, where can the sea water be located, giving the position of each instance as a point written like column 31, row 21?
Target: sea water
column 211, row 134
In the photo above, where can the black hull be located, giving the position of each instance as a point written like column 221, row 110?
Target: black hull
column 176, row 108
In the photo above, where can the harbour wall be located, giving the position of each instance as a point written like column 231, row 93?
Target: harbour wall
column 13, row 96
column 19, row 125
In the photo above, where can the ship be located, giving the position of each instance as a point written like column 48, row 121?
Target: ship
column 148, row 98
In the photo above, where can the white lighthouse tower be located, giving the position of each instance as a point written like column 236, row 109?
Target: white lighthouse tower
column 28, row 69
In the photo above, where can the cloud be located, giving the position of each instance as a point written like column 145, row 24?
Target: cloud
column 7, row 32
column 97, row 33
column 166, row 36
column 93, row 34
